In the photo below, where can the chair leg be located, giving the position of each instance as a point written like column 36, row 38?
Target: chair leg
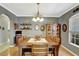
column 23, row 53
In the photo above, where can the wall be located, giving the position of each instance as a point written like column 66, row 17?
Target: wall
column 33, row 32
column 65, row 35
column 11, row 17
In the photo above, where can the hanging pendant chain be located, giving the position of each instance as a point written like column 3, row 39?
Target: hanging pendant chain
column 38, row 9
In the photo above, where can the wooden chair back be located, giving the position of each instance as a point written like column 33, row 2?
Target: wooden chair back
column 40, row 49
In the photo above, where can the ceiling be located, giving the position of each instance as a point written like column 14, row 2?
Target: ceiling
column 45, row 9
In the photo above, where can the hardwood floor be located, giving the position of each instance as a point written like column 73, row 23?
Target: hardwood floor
column 64, row 52
column 13, row 51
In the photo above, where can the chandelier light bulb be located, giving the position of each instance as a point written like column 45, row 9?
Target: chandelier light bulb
column 38, row 19
column 42, row 19
column 34, row 19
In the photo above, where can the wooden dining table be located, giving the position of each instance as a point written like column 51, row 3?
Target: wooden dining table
column 51, row 43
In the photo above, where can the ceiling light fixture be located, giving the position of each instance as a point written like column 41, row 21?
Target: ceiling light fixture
column 38, row 17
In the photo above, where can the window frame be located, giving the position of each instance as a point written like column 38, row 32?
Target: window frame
column 70, row 34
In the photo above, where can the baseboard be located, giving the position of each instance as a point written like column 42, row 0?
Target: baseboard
column 12, row 45
column 68, row 50
column 2, row 44
column 3, row 47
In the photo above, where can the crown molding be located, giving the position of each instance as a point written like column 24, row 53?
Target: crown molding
column 69, row 9
column 7, row 9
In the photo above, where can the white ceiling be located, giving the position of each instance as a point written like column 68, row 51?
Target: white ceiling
column 45, row 9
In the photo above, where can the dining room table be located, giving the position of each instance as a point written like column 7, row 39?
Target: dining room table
column 30, row 41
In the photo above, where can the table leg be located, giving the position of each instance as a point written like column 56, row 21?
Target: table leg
column 56, row 50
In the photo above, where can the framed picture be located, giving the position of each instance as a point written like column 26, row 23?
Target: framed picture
column 42, row 27
column 16, row 26
column 36, row 26
column 48, row 27
column 64, row 27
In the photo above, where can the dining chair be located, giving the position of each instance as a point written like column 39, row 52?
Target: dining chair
column 21, row 40
column 40, row 49
column 56, row 47
column 25, row 50
column 51, row 50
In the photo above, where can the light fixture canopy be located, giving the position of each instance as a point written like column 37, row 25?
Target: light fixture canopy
column 38, row 18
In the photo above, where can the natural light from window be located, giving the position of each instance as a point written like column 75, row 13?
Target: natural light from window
column 74, row 30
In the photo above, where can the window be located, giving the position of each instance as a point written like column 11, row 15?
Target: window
column 74, row 30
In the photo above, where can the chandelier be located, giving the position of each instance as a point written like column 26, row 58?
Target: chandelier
column 38, row 17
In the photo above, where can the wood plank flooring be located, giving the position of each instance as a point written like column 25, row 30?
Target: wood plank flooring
column 13, row 51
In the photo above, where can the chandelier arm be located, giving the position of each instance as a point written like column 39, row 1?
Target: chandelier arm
column 38, row 9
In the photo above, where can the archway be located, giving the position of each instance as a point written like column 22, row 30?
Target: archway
column 4, row 29
column 74, row 30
